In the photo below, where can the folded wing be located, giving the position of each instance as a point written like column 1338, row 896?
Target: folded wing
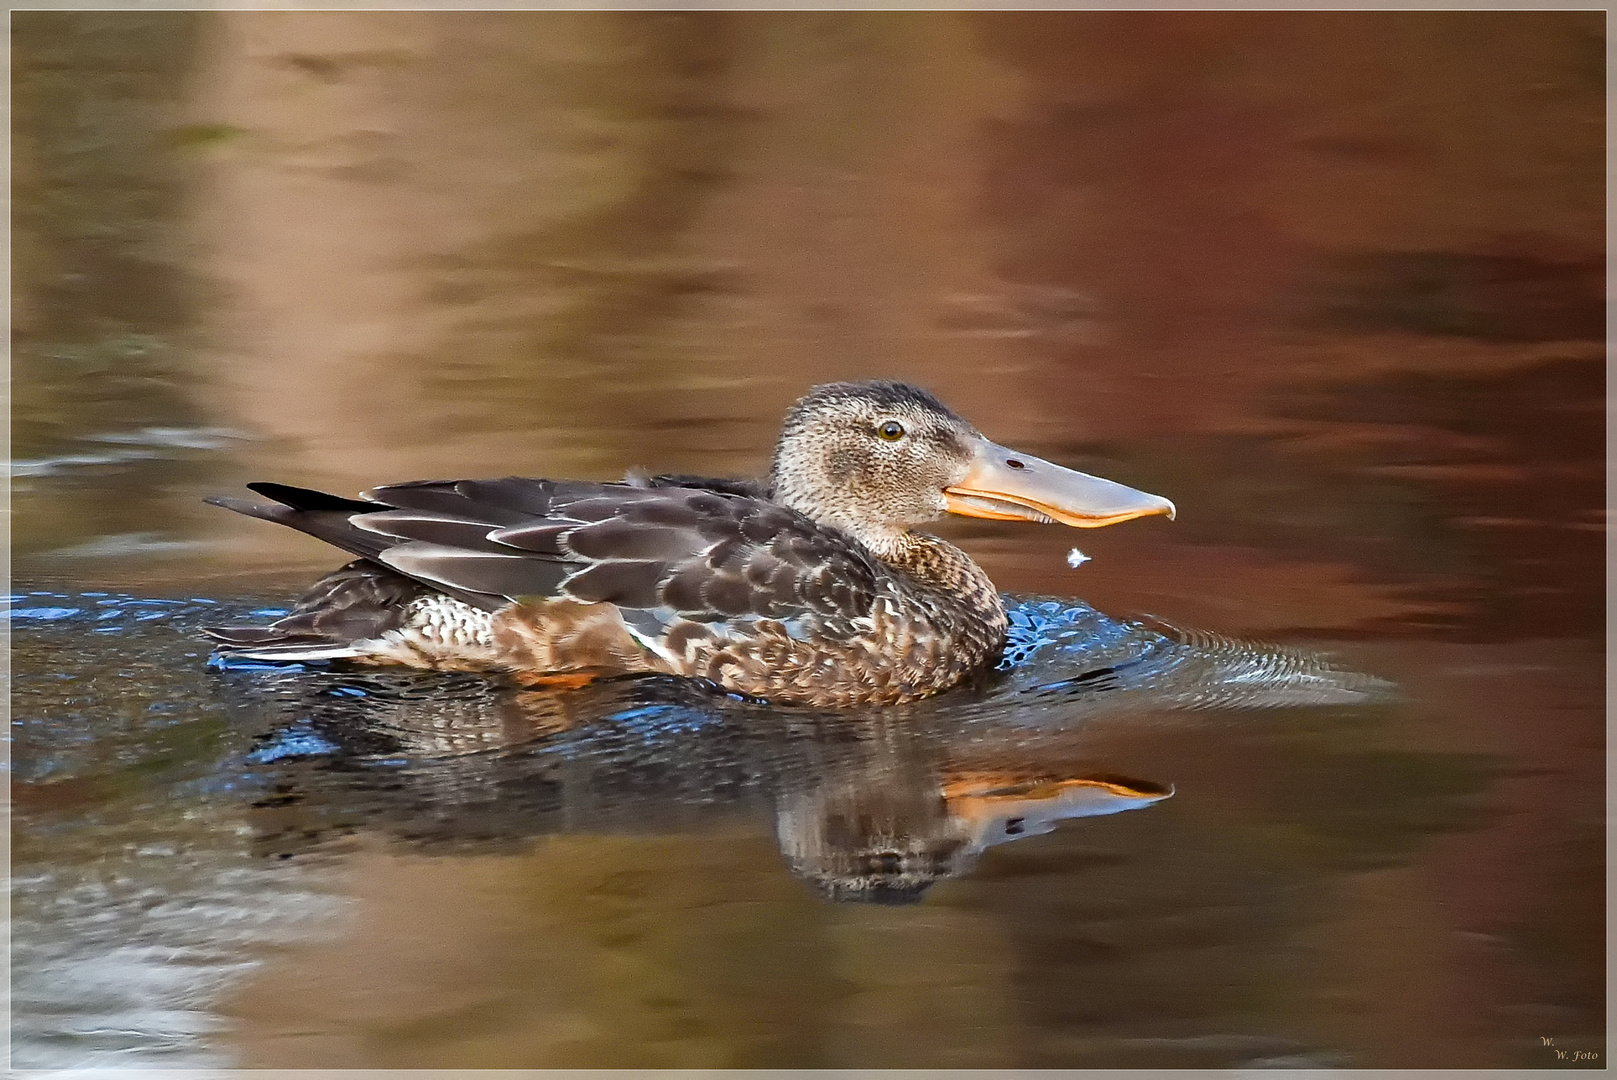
column 662, row 552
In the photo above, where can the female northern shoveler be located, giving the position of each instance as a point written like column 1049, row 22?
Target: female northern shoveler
column 810, row 588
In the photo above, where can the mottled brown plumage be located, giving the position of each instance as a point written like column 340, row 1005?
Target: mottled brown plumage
column 811, row 588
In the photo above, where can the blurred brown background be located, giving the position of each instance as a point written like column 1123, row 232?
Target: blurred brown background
column 1171, row 246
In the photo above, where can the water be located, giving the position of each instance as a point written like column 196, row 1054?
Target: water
column 202, row 817
column 1310, row 776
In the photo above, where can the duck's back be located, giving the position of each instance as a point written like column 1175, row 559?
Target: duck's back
column 673, row 574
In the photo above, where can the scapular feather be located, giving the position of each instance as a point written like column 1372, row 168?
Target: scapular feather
column 429, row 528
column 511, row 575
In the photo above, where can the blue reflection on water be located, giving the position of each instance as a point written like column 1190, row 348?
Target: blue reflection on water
column 1057, row 651
column 299, row 740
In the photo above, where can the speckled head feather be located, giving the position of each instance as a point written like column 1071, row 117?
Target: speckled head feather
column 880, row 393
column 834, row 464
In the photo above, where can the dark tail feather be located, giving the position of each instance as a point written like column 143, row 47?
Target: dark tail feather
column 326, row 517
column 266, row 643
column 350, row 606
column 322, row 516
column 309, row 499
column 251, row 509
column 245, row 636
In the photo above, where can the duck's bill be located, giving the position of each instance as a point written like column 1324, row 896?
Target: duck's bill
column 989, row 805
column 1005, row 485
column 1012, row 790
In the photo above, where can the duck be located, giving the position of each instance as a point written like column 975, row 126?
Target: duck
column 816, row 586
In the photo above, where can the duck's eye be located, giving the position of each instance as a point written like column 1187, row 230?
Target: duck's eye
column 892, row 431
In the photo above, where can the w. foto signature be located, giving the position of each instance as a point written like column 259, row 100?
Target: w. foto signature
column 1570, row 1055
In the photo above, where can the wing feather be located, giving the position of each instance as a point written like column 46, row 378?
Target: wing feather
column 541, row 538
column 705, row 554
column 439, row 529
column 510, row 575
column 625, row 583
column 624, row 538
column 442, row 497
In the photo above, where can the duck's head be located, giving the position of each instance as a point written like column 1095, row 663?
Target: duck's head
column 879, row 458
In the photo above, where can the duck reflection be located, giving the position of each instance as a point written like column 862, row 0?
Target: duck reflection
column 875, row 807
column 887, row 823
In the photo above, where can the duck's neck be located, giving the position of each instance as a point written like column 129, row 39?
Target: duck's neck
column 942, row 569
